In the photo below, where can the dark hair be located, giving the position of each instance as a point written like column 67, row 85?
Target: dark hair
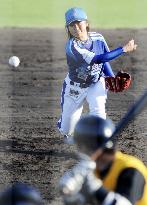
column 71, row 36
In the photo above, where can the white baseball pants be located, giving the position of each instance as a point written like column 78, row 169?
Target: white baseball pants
column 72, row 100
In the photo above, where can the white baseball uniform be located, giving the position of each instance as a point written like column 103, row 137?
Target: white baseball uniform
column 88, row 65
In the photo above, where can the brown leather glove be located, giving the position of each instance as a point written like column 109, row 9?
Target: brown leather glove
column 118, row 83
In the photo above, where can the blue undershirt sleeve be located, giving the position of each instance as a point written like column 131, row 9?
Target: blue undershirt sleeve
column 108, row 56
column 108, row 70
column 107, row 67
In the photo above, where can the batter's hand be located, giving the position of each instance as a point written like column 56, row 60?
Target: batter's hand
column 130, row 46
column 72, row 181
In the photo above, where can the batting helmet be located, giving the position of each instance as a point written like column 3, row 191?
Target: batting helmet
column 75, row 14
column 20, row 194
column 92, row 132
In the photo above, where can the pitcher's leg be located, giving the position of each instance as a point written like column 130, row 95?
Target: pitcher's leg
column 70, row 115
column 97, row 107
column 96, row 99
column 71, row 108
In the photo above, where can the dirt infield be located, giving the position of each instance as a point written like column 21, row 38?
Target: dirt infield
column 30, row 105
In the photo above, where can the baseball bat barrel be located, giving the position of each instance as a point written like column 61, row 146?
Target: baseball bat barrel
column 134, row 110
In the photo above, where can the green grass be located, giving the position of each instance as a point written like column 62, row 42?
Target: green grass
column 50, row 13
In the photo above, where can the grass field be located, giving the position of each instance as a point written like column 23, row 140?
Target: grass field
column 50, row 13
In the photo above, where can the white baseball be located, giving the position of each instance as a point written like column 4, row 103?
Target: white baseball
column 14, row 61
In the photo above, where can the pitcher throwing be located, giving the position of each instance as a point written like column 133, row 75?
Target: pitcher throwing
column 88, row 59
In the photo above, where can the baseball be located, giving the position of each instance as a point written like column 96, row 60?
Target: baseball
column 14, row 61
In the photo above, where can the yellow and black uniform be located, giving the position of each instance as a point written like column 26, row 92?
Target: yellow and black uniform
column 127, row 176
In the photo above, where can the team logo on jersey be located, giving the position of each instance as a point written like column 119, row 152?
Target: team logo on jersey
column 82, row 73
column 94, row 70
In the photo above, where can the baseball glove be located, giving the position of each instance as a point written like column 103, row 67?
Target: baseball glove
column 118, row 83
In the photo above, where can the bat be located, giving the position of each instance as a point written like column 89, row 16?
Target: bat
column 133, row 111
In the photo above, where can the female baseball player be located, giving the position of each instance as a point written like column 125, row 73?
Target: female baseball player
column 87, row 59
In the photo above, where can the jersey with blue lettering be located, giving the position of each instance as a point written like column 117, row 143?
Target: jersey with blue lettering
column 86, row 60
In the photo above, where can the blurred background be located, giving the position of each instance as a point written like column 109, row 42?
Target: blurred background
column 31, row 148
column 50, row 13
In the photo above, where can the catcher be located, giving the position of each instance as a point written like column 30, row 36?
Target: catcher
column 104, row 175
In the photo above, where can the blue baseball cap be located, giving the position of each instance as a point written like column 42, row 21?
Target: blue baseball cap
column 75, row 14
